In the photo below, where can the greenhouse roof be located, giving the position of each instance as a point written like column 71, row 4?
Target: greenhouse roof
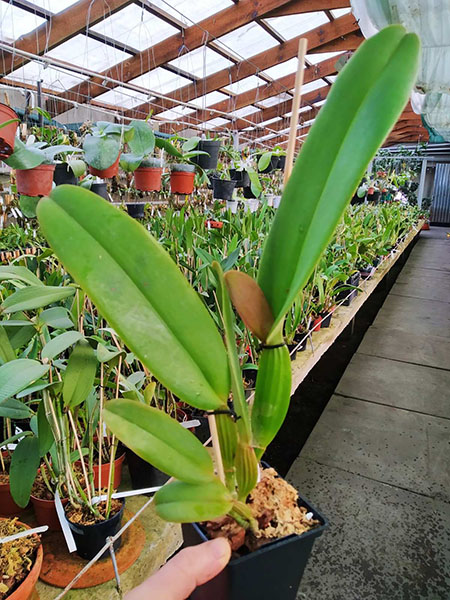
column 227, row 65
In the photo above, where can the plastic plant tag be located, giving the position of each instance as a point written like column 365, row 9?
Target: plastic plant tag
column 71, row 546
column 128, row 494
column 190, row 424
column 22, row 534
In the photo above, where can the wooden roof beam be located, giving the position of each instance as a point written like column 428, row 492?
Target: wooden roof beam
column 303, row 6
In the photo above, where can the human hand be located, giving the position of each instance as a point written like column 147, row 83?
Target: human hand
column 179, row 577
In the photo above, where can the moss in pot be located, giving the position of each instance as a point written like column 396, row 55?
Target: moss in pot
column 181, row 344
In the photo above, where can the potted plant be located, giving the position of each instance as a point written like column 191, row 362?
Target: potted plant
column 223, row 186
column 210, row 152
column 270, row 160
column 180, row 331
column 20, row 561
column 8, row 127
column 102, row 145
column 69, row 171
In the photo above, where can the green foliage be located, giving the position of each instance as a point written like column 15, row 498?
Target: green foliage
column 24, row 465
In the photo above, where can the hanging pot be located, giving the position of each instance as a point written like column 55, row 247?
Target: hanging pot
column 26, row 588
column 241, row 178
column 273, row 571
column 64, row 175
column 45, row 512
column 7, row 133
column 207, row 161
column 223, row 189
column 100, row 189
column 90, row 539
column 111, row 171
column 182, row 182
column 248, row 194
column 35, row 182
column 148, row 179
column 281, row 162
column 136, row 209
column 271, row 166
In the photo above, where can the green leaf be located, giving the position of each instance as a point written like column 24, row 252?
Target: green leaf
column 191, row 143
column 143, row 140
column 356, row 118
column 181, row 502
column 6, row 350
column 101, row 152
column 105, row 355
column 159, row 440
column 9, row 122
column 24, row 157
column 13, row 273
column 60, row 343
column 14, row 409
column 24, row 465
column 45, row 434
column 18, row 335
column 264, row 161
column 78, row 167
column 19, row 374
column 130, row 162
column 39, row 385
column 168, row 147
column 79, row 375
column 28, row 205
column 56, row 317
column 35, row 297
column 120, row 265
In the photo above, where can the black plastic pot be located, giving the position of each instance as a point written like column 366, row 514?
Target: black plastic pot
column 291, row 348
column 272, row 572
column 241, row 178
column 272, row 165
column 136, row 209
column 63, row 174
column 90, row 539
column 143, row 475
column 248, row 194
column 281, row 162
column 204, row 161
column 100, row 189
column 223, row 189
column 326, row 320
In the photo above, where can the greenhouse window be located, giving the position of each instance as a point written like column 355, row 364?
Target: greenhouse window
column 160, row 80
column 124, row 97
column 291, row 26
column 247, row 41
column 15, row 22
column 201, row 62
column 88, row 53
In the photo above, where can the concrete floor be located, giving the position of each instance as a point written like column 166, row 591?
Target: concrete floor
column 377, row 463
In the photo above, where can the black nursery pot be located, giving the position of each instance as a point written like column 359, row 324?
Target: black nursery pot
column 143, row 475
column 241, row 178
column 326, row 320
column 273, row 571
column 281, row 162
column 136, row 209
column 100, row 190
column 248, row 194
column 89, row 539
column 204, row 161
column 223, row 189
column 63, row 174
column 274, row 161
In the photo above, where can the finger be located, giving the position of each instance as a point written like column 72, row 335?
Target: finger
column 182, row 574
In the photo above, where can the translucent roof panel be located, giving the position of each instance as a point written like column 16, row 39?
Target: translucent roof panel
column 88, row 53
column 285, row 68
column 243, row 112
column 313, row 85
column 160, row 80
column 189, row 12
column 320, row 103
column 218, row 122
column 135, row 27
column 291, row 26
column 176, row 113
column 275, row 100
column 201, row 62
column 301, row 110
column 244, row 85
column 209, row 99
column 314, row 59
column 332, row 78
column 54, row 6
column 338, row 12
column 122, row 96
column 55, row 79
column 247, row 40
column 15, row 22
column 268, row 122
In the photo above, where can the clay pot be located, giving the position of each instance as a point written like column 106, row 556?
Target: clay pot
column 111, row 171
column 182, row 182
column 105, row 472
column 8, row 508
column 316, row 324
column 8, row 133
column 26, row 588
column 45, row 511
column 148, row 179
column 35, row 182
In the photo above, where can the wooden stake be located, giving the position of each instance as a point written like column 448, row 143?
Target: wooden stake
column 302, row 46
column 216, row 447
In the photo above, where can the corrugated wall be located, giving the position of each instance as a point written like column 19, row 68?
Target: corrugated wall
column 440, row 210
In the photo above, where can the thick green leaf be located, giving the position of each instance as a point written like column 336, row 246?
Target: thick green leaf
column 101, row 152
column 13, row 273
column 24, row 465
column 28, row 205
column 35, row 297
column 18, row 335
column 80, row 374
column 181, row 502
column 133, row 281
column 168, row 147
column 60, row 343
column 37, row 386
column 24, row 157
column 363, row 105
column 57, row 317
column 264, row 160
column 14, row 409
column 19, row 374
column 45, row 434
column 160, row 440
column 130, row 162
column 105, row 355
column 143, row 140
column 191, row 143
column 6, row 350
column 78, row 167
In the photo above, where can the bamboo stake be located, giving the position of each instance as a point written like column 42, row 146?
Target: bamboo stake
column 302, row 46
column 216, row 447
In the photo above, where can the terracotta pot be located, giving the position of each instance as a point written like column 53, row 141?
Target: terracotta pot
column 182, row 182
column 8, row 133
column 8, row 508
column 111, row 171
column 105, row 472
column 148, row 179
column 425, row 227
column 45, row 511
column 317, row 323
column 35, row 182
column 25, row 589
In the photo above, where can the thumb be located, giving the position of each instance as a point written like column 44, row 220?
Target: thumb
column 190, row 568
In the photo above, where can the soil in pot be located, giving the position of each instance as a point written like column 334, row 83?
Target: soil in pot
column 20, row 562
column 111, row 171
column 35, row 182
column 241, row 178
column 269, row 562
column 207, row 161
column 182, row 182
column 7, row 133
column 90, row 533
column 223, row 189
column 148, row 179
column 64, row 175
